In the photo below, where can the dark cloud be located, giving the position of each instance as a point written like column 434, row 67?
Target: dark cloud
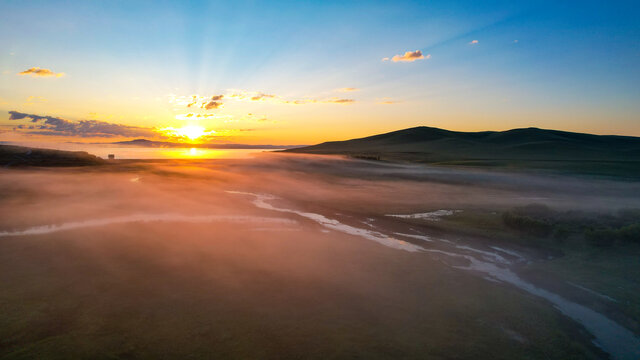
column 214, row 103
column 49, row 125
column 211, row 105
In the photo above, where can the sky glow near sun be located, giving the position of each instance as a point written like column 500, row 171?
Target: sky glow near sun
column 188, row 132
column 264, row 73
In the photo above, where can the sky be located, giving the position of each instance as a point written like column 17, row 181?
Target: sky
column 304, row 72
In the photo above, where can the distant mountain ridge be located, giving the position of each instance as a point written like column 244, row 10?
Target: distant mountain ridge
column 161, row 144
column 430, row 144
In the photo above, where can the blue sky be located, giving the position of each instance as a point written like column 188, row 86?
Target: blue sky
column 570, row 66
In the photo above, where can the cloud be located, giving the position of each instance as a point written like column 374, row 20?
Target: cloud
column 473, row 42
column 243, row 95
column 49, row 125
column 410, row 56
column 39, row 72
column 386, row 101
column 261, row 96
column 206, row 102
column 194, row 101
column 347, row 89
column 339, row 101
column 211, row 105
column 33, row 100
column 192, row 116
column 385, row 59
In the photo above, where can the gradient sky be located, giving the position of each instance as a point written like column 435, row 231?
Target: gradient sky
column 285, row 68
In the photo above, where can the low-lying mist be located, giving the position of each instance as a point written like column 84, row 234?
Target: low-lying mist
column 281, row 256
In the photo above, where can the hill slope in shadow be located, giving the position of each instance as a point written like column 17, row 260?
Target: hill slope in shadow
column 526, row 148
column 11, row 156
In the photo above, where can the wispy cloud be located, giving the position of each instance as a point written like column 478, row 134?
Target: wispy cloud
column 194, row 116
column 387, row 101
column 409, row 56
column 347, row 89
column 254, row 117
column 50, row 125
column 40, row 72
column 243, row 95
column 339, row 101
column 261, row 96
column 207, row 103
column 33, row 100
column 473, row 42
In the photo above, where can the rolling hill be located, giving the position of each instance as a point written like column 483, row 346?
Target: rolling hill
column 526, row 147
column 24, row 156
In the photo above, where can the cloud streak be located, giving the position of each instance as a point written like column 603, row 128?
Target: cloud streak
column 218, row 101
column 40, row 72
column 347, row 89
column 386, row 101
column 243, row 95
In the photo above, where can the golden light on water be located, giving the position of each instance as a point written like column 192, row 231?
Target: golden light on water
column 203, row 153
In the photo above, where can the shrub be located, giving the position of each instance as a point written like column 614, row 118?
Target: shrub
column 561, row 233
column 600, row 237
column 534, row 210
column 526, row 224
column 630, row 233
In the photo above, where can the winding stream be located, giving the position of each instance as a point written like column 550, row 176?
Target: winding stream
column 619, row 342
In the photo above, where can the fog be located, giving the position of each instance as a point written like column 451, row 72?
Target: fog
column 285, row 256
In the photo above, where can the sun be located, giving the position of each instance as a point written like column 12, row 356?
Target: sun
column 192, row 132
column 188, row 132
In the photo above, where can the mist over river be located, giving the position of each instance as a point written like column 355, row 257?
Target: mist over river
column 292, row 256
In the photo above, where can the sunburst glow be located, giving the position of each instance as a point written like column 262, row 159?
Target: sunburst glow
column 189, row 132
